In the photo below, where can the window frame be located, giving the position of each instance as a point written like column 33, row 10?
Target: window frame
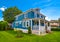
column 16, row 23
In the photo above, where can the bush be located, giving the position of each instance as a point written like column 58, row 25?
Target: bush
column 55, row 29
column 29, row 30
column 19, row 34
column 3, row 25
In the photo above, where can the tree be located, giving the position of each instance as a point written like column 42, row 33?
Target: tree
column 29, row 30
column 59, row 22
column 10, row 13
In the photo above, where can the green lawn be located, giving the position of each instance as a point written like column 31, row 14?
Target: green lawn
column 10, row 36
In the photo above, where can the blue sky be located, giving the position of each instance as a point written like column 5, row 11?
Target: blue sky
column 50, row 8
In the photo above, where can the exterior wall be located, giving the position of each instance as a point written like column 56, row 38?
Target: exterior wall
column 23, row 30
column 20, row 24
column 28, row 15
column 54, row 25
column 35, row 32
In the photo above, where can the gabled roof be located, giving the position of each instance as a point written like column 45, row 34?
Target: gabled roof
column 29, row 11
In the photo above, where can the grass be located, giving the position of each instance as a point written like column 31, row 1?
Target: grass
column 10, row 36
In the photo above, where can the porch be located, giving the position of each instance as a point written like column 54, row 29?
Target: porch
column 38, row 26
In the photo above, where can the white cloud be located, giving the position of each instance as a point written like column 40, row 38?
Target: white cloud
column 51, row 12
column 47, row 18
column 3, row 8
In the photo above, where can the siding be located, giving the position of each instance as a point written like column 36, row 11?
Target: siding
column 19, row 25
column 30, row 14
column 21, row 17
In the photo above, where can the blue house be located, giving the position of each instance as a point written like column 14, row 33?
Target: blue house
column 34, row 19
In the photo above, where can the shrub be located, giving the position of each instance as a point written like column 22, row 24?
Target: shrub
column 29, row 30
column 55, row 29
column 19, row 34
column 3, row 25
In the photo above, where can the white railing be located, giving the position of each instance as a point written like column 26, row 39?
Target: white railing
column 36, row 27
column 42, row 29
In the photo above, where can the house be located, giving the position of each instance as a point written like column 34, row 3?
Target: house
column 34, row 19
column 54, row 23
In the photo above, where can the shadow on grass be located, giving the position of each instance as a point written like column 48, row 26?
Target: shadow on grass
column 14, row 33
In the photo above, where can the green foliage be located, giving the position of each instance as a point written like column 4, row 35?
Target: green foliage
column 19, row 34
column 55, row 29
column 10, row 13
column 29, row 30
column 3, row 25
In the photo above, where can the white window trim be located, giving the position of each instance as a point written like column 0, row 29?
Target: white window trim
column 20, row 22
column 35, row 15
column 23, row 24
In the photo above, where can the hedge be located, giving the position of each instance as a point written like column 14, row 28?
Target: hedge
column 55, row 29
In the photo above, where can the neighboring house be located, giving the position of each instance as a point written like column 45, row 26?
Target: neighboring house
column 54, row 23
column 34, row 19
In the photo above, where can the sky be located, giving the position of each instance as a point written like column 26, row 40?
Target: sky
column 50, row 8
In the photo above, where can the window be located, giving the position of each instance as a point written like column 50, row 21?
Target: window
column 42, row 17
column 25, row 15
column 19, row 22
column 27, row 23
column 42, row 24
column 37, row 15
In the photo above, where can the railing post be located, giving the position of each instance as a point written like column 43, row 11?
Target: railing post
column 39, row 26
